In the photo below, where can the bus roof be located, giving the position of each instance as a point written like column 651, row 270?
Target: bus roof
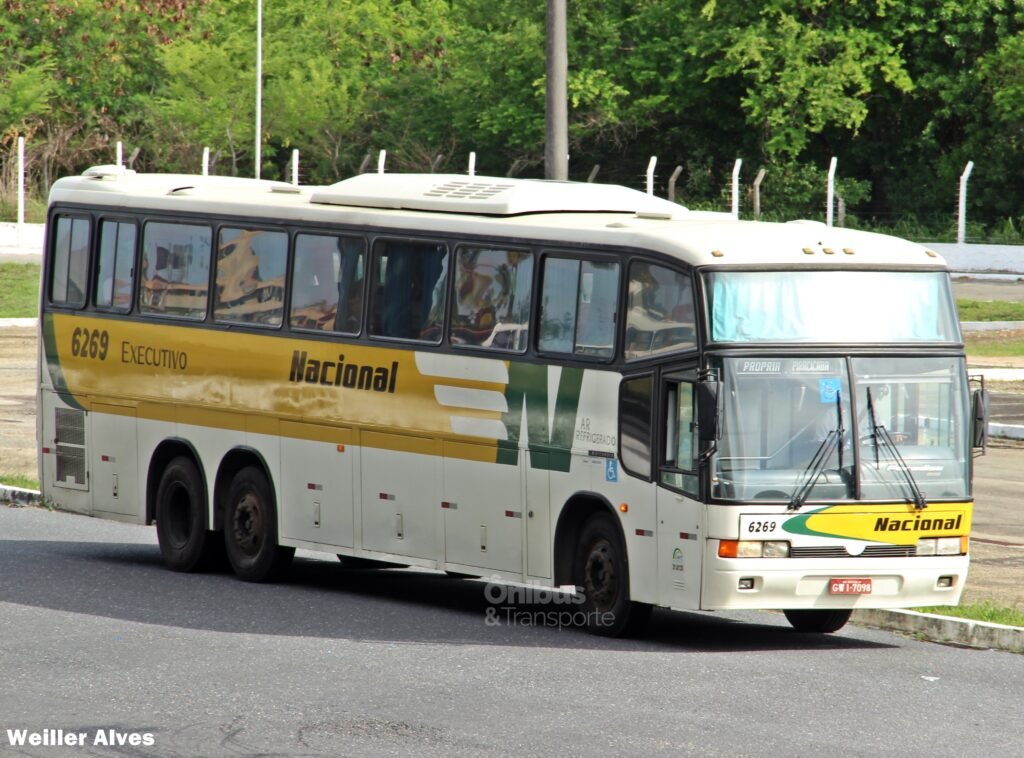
column 523, row 209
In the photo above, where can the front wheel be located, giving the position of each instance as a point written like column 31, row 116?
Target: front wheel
column 818, row 622
column 250, row 528
column 602, row 572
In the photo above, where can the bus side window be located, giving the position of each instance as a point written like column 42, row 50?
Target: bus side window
column 659, row 316
column 175, row 272
column 680, row 456
column 579, row 300
column 409, row 299
column 69, row 283
column 491, row 306
column 250, row 276
column 115, row 266
column 327, row 283
column 635, row 404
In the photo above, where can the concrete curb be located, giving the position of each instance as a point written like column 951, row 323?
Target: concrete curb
column 991, row 326
column 1011, row 431
column 955, row 631
column 19, row 496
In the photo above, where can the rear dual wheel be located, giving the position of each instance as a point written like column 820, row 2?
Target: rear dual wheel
column 250, row 528
column 185, row 542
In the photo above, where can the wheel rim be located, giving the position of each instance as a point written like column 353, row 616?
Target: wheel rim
column 178, row 519
column 248, row 524
column 601, row 577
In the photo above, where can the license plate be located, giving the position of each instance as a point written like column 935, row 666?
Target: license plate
column 849, row 586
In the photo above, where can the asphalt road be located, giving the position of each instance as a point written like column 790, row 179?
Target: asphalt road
column 1006, row 408
column 95, row 635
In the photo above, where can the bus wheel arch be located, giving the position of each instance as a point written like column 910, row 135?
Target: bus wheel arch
column 247, row 511
column 590, row 549
column 576, row 512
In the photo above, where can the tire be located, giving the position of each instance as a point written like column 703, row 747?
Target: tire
column 185, row 543
column 601, row 570
column 818, row 622
column 250, row 528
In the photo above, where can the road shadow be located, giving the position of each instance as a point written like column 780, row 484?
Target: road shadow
column 321, row 598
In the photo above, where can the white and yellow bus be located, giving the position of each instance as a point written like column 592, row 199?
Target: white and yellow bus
column 556, row 384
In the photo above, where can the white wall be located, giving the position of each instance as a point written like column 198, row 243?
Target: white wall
column 26, row 238
column 993, row 259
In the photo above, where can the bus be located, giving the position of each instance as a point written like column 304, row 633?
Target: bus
column 570, row 386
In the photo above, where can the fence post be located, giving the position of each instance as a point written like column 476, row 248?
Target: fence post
column 831, row 191
column 961, row 208
column 295, row 167
column 672, row 183
column 472, row 163
column 736, row 188
column 206, row 161
column 21, row 186
column 381, row 157
column 757, row 193
column 650, row 174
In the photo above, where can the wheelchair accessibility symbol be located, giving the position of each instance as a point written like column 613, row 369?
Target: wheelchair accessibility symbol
column 611, row 471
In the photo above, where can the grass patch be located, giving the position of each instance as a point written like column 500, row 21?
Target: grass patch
column 994, row 344
column 990, row 310
column 984, row 611
column 19, row 290
column 1017, row 388
column 35, row 208
column 17, row 480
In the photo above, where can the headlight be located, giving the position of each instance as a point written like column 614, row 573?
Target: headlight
column 776, row 549
column 942, row 546
column 947, row 546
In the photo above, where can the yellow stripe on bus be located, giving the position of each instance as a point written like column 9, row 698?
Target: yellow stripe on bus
column 169, row 372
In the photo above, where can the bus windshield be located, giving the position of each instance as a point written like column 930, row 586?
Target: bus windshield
column 843, row 429
column 831, row 306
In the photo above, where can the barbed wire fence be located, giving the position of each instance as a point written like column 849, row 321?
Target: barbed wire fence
column 834, row 212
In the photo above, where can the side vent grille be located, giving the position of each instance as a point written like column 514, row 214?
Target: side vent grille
column 71, row 457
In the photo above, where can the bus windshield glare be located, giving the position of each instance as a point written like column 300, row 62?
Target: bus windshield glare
column 830, row 306
column 880, row 429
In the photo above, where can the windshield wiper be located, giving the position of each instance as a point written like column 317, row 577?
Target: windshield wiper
column 879, row 432
column 811, row 474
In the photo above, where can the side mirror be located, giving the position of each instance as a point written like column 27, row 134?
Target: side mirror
column 708, row 411
column 979, row 428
